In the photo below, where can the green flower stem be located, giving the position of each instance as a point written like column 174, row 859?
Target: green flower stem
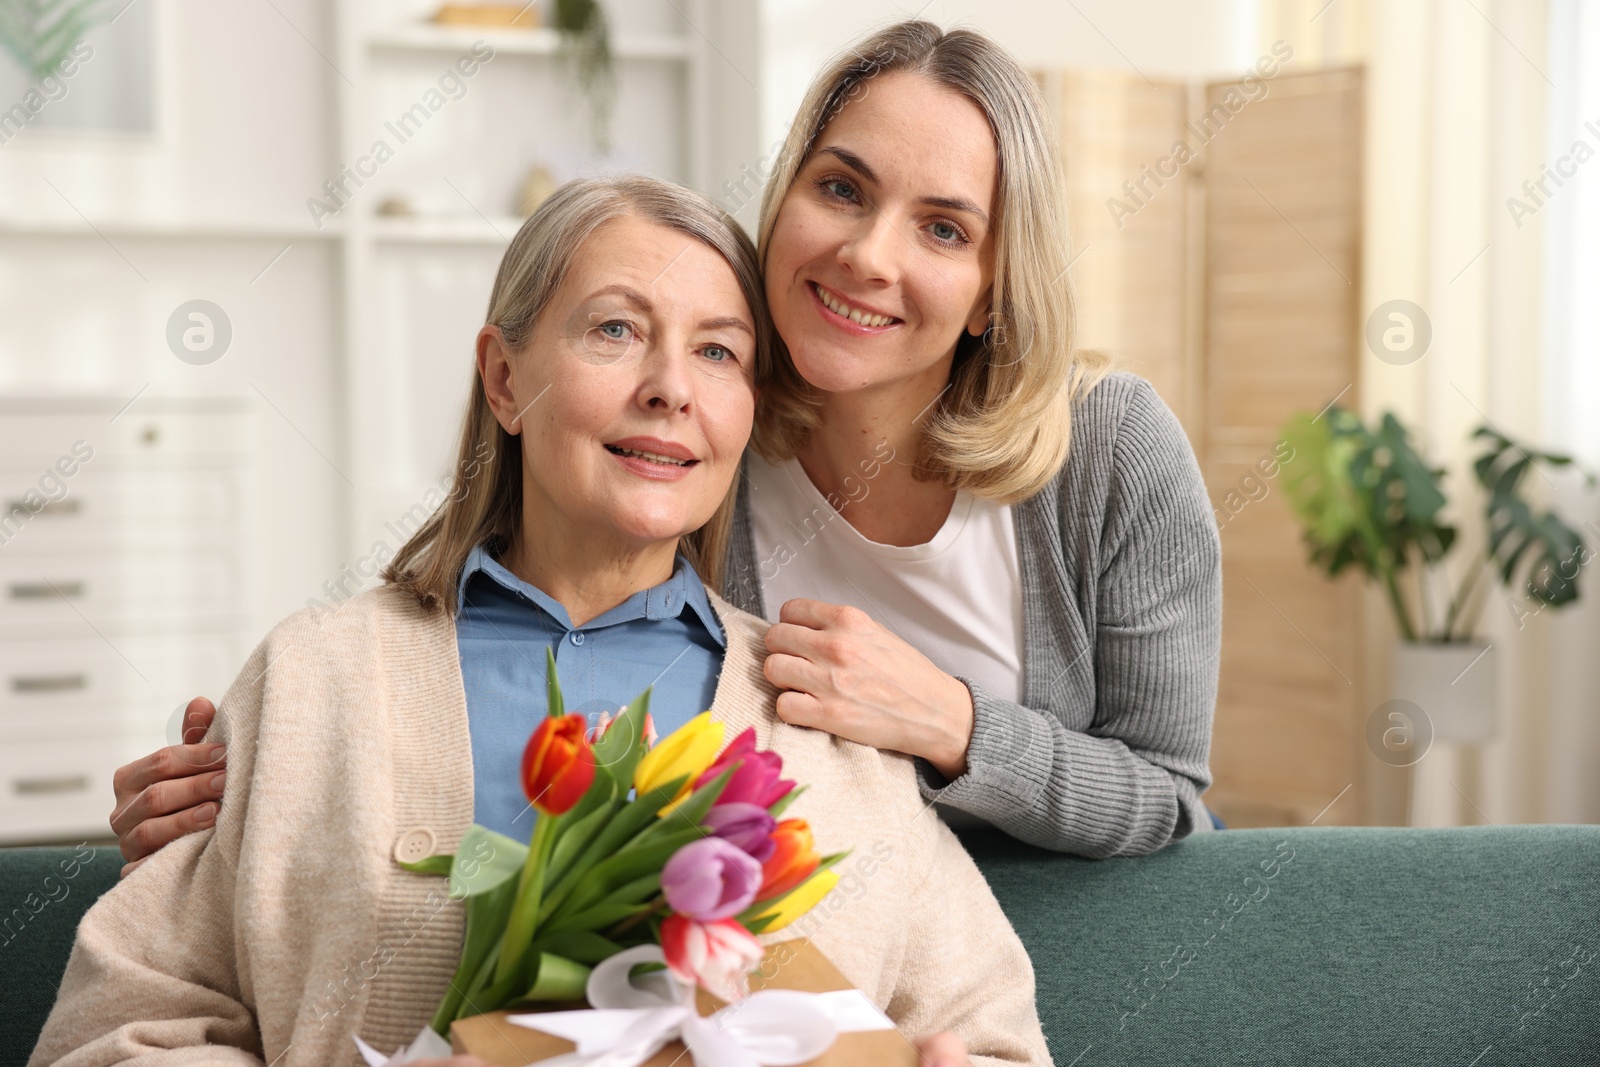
column 452, row 1000
column 525, row 912
column 659, row 907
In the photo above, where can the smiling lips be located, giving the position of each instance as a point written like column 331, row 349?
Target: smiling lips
column 845, row 310
column 653, row 457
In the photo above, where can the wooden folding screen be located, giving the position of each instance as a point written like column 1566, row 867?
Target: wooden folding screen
column 1228, row 276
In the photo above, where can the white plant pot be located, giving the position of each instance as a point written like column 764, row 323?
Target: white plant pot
column 1454, row 685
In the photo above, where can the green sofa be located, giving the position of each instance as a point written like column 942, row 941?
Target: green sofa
column 1476, row 947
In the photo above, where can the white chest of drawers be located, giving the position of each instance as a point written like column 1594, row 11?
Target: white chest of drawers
column 122, row 567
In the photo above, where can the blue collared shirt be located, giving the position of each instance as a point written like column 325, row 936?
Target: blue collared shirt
column 666, row 636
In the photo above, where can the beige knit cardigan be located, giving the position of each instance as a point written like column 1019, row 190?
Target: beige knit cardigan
column 290, row 925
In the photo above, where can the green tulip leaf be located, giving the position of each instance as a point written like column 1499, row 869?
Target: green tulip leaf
column 579, row 946
column 574, row 838
column 781, row 805
column 439, row 864
column 599, row 917
column 557, row 979
column 620, row 749
column 485, row 860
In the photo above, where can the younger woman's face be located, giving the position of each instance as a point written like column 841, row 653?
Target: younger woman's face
column 883, row 250
column 634, row 394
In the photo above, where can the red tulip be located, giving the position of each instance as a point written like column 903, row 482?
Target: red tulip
column 792, row 861
column 755, row 778
column 558, row 764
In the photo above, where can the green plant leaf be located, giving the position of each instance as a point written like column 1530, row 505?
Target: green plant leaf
column 781, row 805
column 599, row 917
column 619, row 751
column 485, row 860
column 580, row 946
column 1544, row 548
column 440, row 864
column 554, row 704
column 687, row 815
column 634, row 817
column 40, row 33
column 576, row 837
column 557, row 979
column 634, row 892
column 625, row 867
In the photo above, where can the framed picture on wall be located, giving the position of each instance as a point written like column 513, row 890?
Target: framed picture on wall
column 77, row 66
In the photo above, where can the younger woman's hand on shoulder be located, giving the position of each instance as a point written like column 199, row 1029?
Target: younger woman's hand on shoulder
column 844, row 672
column 174, row 791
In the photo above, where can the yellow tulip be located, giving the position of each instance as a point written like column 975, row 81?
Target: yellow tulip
column 684, row 753
column 802, row 900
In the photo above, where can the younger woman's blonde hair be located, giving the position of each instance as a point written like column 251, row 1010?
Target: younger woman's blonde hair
column 485, row 503
column 1002, row 428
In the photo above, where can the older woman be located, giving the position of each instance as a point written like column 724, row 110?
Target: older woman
column 625, row 336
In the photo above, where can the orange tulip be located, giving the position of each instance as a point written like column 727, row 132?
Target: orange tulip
column 792, row 861
column 558, row 764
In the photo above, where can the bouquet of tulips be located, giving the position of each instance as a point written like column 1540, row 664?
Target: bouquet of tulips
column 673, row 844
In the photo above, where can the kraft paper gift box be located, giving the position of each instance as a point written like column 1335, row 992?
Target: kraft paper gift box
column 792, row 964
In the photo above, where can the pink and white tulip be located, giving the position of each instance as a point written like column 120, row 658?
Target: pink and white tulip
column 717, row 956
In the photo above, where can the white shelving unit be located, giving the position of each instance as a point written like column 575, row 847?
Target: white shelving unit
column 121, row 582
column 352, row 334
column 517, row 111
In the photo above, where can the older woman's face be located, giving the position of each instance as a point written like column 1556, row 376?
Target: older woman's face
column 634, row 395
column 883, row 249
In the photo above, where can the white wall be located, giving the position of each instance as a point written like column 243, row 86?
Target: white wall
column 242, row 136
column 1160, row 38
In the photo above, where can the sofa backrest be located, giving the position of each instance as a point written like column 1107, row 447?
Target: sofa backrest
column 1359, row 946
column 1338, row 945
column 43, row 894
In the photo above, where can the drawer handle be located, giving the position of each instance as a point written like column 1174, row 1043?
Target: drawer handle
column 69, row 506
column 48, row 683
column 67, row 783
column 44, row 590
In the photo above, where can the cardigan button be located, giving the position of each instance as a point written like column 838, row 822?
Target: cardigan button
column 414, row 845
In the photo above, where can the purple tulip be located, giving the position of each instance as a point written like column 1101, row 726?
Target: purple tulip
column 710, row 879
column 748, row 826
column 755, row 776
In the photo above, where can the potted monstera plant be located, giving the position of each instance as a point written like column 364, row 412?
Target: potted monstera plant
column 1368, row 501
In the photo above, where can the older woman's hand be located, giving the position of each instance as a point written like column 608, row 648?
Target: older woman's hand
column 943, row 1050
column 845, row 673
column 171, row 792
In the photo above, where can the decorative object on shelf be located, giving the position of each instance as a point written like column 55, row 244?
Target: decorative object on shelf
column 523, row 16
column 586, row 45
column 40, row 33
column 395, row 207
column 1368, row 500
column 535, row 190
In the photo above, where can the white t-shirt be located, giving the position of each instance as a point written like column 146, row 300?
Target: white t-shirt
column 956, row 599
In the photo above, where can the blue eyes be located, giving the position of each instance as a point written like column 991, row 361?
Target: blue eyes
column 944, row 232
column 620, row 330
column 842, row 190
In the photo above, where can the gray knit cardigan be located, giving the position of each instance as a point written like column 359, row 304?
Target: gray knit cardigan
column 1122, row 634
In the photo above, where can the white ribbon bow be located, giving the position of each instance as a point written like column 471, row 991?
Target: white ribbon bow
column 632, row 1019
column 427, row 1045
